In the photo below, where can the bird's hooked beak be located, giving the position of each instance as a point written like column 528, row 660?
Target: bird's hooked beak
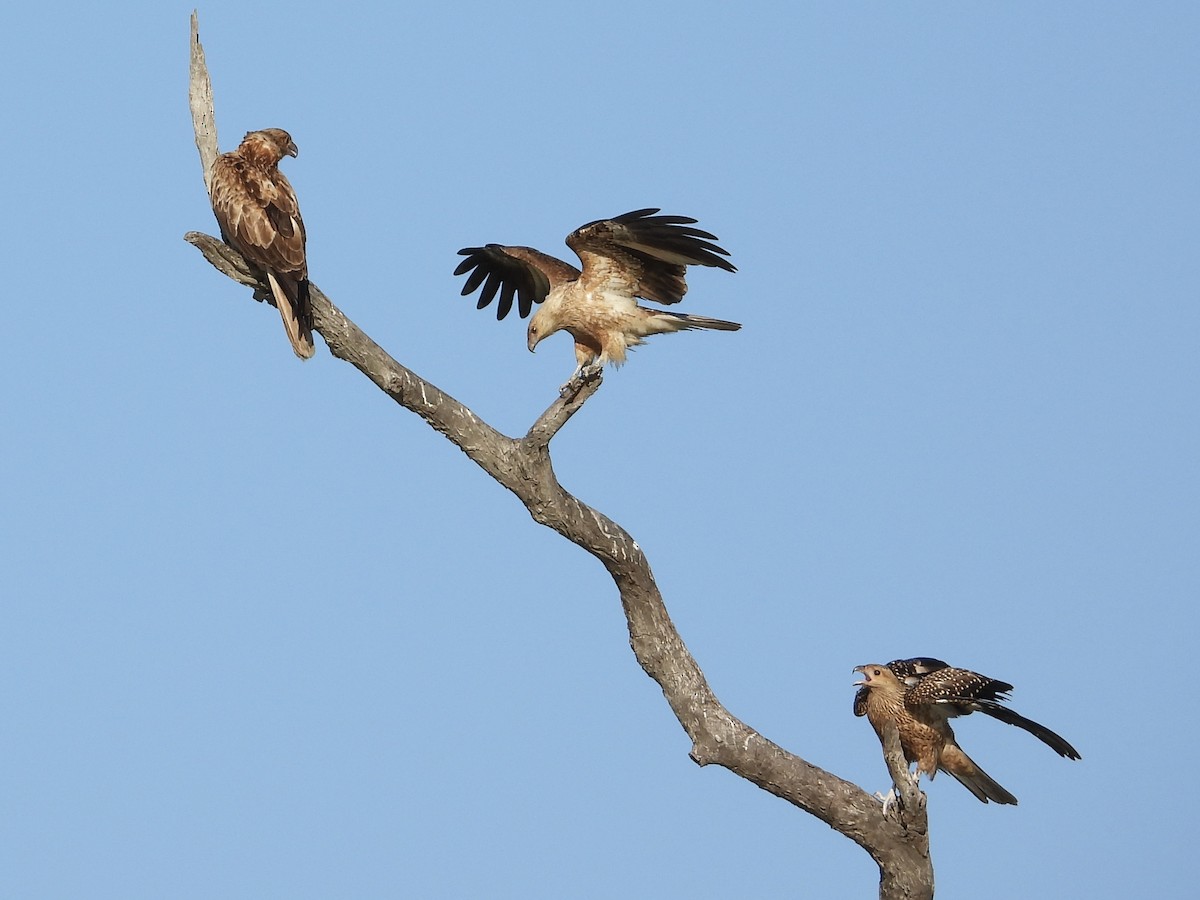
column 862, row 670
column 531, row 339
column 292, row 149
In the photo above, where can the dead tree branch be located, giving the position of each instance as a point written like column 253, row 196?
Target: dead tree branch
column 200, row 100
column 898, row 843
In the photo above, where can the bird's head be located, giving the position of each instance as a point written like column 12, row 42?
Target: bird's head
column 273, row 143
column 875, row 675
column 539, row 327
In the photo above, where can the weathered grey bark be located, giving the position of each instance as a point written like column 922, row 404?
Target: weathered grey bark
column 200, row 100
column 898, row 842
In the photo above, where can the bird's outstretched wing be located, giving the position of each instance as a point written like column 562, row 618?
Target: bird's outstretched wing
column 523, row 272
column 1052, row 740
column 960, row 692
column 644, row 254
column 956, row 689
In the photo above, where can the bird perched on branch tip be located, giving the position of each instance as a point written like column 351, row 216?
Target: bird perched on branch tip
column 259, row 216
column 637, row 254
column 920, row 695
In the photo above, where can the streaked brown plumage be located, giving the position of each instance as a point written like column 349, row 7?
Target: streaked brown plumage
column 909, row 671
column 638, row 254
column 920, row 695
column 260, row 218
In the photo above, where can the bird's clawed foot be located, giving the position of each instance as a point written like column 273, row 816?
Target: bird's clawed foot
column 894, row 799
column 890, row 799
column 583, row 375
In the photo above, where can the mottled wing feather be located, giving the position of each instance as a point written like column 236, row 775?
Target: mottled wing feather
column 645, row 255
column 959, row 692
column 259, row 215
column 520, row 272
column 956, row 688
column 912, row 670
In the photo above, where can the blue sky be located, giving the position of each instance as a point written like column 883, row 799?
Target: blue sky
column 266, row 634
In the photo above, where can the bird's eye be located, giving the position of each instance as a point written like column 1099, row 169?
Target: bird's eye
column 876, row 672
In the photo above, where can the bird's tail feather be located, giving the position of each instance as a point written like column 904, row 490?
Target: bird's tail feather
column 684, row 322
column 1054, row 741
column 291, row 298
column 973, row 778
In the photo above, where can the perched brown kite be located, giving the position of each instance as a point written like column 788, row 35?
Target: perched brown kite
column 260, row 218
column 919, row 696
column 638, row 254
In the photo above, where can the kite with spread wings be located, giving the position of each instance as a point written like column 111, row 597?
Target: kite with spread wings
column 638, row 254
column 920, row 695
column 259, row 217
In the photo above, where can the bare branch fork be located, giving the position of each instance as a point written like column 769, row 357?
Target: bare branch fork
column 898, row 842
